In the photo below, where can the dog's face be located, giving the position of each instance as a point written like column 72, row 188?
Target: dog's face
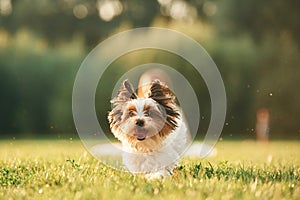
column 142, row 118
column 138, row 121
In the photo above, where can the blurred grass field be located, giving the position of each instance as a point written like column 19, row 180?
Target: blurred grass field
column 63, row 169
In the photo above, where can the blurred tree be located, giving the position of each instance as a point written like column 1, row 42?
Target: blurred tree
column 274, row 26
column 60, row 20
column 261, row 18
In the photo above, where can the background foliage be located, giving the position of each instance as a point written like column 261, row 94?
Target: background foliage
column 255, row 44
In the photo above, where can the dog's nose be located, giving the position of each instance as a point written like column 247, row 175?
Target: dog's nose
column 140, row 122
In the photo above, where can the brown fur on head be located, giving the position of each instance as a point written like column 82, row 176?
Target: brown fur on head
column 162, row 94
column 143, row 123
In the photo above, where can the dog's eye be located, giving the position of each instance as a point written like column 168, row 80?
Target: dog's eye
column 131, row 113
column 148, row 113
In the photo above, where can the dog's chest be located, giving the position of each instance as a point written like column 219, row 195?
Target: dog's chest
column 164, row 158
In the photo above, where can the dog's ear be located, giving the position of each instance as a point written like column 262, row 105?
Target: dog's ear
column 125, row 93
column 161, row 93
column 164, row 96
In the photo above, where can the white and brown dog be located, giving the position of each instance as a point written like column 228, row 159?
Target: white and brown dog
column 150, row 127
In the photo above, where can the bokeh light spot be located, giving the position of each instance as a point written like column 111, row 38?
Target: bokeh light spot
column 80, row 11
column 109, row 9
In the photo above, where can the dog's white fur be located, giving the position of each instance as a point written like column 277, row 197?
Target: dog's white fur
column 162, row 161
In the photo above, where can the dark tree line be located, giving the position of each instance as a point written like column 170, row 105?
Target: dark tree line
column 254, row 43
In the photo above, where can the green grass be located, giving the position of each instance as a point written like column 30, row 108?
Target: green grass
column 50, row 169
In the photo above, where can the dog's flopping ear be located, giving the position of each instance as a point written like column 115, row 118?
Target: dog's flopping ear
column 164, row 96
column 125, row 93
column 161, row 93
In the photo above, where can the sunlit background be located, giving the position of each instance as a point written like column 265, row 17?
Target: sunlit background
column 254, row 43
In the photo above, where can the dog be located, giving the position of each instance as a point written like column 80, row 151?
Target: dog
column 150, row 126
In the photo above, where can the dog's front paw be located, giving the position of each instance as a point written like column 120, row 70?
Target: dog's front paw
column 159, row 174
